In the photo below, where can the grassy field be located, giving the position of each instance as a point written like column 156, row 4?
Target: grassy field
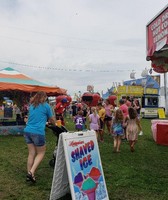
column 141, row 175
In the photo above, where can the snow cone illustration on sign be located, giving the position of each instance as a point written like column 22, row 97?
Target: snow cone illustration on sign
column 85, row 168
column 78, row 180
column 89, row 187
column 88, row 183
column 95, row 174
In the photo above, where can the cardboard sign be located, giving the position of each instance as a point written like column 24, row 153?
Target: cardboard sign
column 161, row 113
column 83, row 170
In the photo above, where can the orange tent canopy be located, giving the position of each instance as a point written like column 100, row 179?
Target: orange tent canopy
column 11, row 79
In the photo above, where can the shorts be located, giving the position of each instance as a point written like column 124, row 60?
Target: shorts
column 107, row 118
column 118, row 133
column 36, row 139
column 117, row 130
column 94, row 127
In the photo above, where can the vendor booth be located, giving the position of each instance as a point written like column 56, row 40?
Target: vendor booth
column 129, row 90
column 157, row 46
column 157, row 53
column 149, row 94
column 15, row 92
column 145, row 89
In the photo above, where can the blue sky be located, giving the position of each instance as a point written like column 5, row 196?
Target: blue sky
column 75, row 43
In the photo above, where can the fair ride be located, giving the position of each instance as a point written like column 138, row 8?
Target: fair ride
column 90, row 99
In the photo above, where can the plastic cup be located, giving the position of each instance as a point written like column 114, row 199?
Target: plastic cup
column 58, row 122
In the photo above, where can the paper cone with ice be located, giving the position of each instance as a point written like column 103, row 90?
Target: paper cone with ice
column 95, row 173
column 78, row 180
column 88, row 187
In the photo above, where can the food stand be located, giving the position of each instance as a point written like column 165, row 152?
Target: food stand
column 157, row 45
column 149, row 100
column 18, row 88
column 150, row 103
column 129, row 90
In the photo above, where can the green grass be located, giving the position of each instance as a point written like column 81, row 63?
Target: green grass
column 141, row 175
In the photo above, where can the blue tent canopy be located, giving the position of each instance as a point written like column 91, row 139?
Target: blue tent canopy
column 108, row 93
column 147, row 82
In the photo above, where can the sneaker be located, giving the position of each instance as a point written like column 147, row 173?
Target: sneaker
column 141, row 133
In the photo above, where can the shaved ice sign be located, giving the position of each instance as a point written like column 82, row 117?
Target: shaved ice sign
column 82, row 153
column 84, row 168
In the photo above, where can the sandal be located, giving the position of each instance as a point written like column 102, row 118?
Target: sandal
column 132, row 149
column 30, row 177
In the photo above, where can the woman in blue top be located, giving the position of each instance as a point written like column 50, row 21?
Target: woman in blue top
column 39, row 113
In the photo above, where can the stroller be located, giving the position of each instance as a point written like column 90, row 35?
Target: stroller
column 56, row 131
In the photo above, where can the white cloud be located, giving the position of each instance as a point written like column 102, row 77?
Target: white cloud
column 76, row 35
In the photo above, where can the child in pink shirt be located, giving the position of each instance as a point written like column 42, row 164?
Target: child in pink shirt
column 94, row 121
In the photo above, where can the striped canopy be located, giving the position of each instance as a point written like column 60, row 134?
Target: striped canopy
column 11, row 79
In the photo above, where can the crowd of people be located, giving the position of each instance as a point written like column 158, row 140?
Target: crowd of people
column 122, row 123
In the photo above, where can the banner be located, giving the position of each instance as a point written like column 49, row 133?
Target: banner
column 157, row 32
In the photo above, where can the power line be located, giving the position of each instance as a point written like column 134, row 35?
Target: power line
column 56, row 35
column 64, row 69
column 54, row 45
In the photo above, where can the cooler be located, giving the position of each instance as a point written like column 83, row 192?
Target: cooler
column 160, row 131
column 162, row 134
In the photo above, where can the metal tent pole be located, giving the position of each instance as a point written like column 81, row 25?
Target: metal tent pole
column 165, row 93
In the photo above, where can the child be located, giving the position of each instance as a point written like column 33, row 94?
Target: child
column 94, row 120
column 109, row 114
column 117, row 129
column 133, row 127
column 79, row 121
column 137, row 107
column 102, row 114
column 25, row 119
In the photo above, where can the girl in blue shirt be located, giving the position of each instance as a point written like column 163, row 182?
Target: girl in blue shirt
column 39, row 113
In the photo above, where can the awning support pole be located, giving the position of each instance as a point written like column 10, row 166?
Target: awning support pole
column 165, row 93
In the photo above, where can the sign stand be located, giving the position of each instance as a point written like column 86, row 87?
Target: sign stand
column 60, row 183
column 78, row 169
column 161, row 113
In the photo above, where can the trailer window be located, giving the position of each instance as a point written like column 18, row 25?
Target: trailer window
column 151, row 101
